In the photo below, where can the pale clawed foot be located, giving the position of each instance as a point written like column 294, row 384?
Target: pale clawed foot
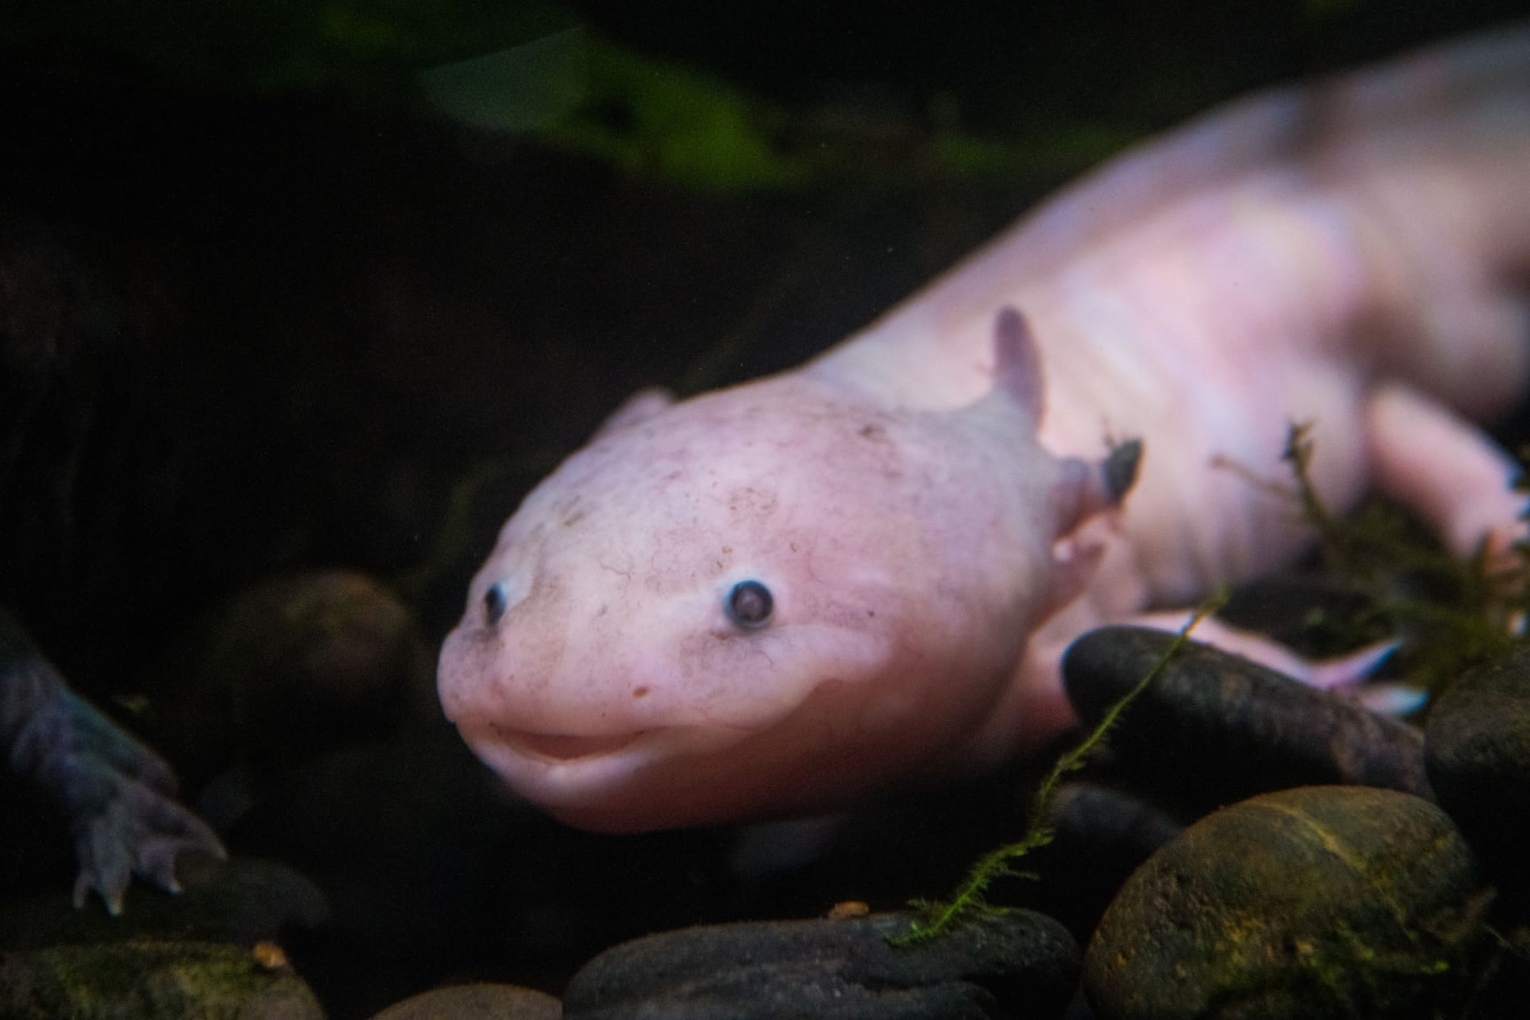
column 124, row 828
column 118, row 795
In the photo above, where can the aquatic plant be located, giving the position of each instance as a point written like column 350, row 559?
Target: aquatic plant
column 1449, row 613
column 969, row 900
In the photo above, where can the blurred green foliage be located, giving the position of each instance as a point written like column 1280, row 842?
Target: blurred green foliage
column 660, row 119
column 532, row 69
column 663, row 120
column 643, row 115
column 526, row 69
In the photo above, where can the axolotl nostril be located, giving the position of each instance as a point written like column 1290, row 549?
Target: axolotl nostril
column 776, row 598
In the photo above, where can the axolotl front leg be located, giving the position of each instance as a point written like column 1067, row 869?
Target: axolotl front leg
column 1446, row 470
column 119, row 796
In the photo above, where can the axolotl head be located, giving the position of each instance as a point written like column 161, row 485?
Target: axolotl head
column 765, row 600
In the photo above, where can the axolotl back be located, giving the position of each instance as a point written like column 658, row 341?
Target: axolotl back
column 776, row 598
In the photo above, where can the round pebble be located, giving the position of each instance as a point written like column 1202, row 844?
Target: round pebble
column 1018, row 964
column 1477, row 749
column 1214, row 728
column 1315, row 902
column 483, row 1001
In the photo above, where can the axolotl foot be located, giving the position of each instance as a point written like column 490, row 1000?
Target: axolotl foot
column 120, row 799
column 118, row 795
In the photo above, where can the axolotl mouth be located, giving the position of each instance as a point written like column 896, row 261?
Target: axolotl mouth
column 560, row 747
column 643, row 779
column 556, row 767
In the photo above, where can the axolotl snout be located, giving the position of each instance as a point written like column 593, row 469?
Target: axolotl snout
column 777, row 597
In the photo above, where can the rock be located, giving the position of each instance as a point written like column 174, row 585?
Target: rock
column 1477, row 749
column 241, row 901
column 293, row 667
column 1317, row 902
column 1506, row 987
column 1017, row 964
column 476, row 1002
column 150, row 981
column 1214, row 728
column 1123, row 827
column 1099, row 837
column 408, row 845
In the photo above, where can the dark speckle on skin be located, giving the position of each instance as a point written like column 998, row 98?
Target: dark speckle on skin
column 640, row 692
column 752, row 506
column 569, row 510
column 876, row 433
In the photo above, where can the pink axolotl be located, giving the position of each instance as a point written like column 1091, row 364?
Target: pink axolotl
column 775, row 598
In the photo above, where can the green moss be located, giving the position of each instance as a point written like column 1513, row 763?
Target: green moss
column 1451, row 613
column 148, row 979
column 81, row 980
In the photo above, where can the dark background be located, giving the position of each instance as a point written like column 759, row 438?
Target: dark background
column 264, row 310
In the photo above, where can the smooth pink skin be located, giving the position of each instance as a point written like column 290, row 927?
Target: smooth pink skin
column 616, row 692
column 1354, row 254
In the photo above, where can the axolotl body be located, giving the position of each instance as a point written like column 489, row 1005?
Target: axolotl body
column 778, row 597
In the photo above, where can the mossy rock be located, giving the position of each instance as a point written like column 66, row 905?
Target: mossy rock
column 1313, row 902
column 151, row 980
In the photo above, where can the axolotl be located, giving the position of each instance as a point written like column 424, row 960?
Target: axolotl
column 776, row 598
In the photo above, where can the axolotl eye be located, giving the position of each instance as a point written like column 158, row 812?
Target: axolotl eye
column 749, row 604
column 495, row 602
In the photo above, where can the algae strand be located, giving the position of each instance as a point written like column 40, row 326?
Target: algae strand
column 969, row 899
